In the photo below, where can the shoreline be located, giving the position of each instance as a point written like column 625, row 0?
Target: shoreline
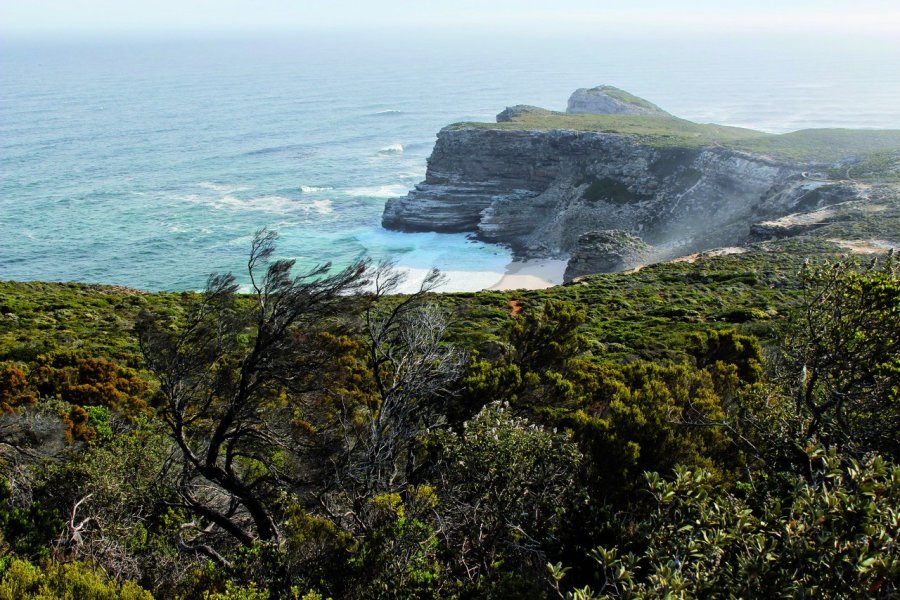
column 534, row 274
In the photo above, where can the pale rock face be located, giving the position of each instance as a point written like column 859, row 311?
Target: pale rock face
column 539, row 192
column 608, row 100
column 606, row 251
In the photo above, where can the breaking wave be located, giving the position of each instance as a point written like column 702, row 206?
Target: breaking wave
column 392, row 149
column 379, row 191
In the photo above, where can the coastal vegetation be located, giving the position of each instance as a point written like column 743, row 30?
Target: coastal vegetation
column 721, row 428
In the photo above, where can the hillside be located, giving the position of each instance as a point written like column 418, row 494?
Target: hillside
column 636, row 371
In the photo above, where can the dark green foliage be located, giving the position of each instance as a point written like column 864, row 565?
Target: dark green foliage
column 646, row 417
column 730, row 347
column 506, row 486
column 834, row 535
column 27, row 530
column 530, row 365
column 401, row 558
column 232, row 375
column 547, row 338
column 115, row 499
column 842, row 348
column 609, row 190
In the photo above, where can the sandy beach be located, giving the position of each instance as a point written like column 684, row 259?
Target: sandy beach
column 532, row 275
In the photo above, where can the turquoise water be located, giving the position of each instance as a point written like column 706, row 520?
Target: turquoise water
column 151, row 163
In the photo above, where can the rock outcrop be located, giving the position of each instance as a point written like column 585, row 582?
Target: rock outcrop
column 511, row 113
column 609, row 100
column 607, row 251
column 791, row 225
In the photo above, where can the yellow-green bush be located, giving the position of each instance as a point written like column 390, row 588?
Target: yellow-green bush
column 21, row 580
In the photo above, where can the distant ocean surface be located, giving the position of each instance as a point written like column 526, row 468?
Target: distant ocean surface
column 151, row 163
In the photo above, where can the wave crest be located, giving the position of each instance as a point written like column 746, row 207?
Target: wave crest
column 379, row 191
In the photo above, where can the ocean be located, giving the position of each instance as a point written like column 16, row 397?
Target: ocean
column 150, row 163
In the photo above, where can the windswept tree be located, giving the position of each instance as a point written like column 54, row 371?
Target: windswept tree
column 312, row 390
column 231, row 370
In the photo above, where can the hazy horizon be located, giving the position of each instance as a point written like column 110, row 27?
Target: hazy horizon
column 108, row 18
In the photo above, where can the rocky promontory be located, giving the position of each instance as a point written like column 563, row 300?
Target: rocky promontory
column 538, row 180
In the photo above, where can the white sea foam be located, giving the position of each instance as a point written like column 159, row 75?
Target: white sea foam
column 270, row 204
column 273, row 204
column 392, row 149
column 379, row 191
column 311, row 189
column 282, row 205
column 323, row 207
column 225, row 188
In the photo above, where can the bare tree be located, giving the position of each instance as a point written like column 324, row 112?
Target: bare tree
column 413, row 370
column 29, row 435
column 230, row 372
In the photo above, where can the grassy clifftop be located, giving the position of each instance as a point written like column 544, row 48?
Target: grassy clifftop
column 807, row 145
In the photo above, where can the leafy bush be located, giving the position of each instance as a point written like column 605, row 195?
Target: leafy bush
column 842, row 354
column 834, row 535
column 505, row 486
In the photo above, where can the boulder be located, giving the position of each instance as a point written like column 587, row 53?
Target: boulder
column 511, row 113
column 606, row 251
column 609, row 100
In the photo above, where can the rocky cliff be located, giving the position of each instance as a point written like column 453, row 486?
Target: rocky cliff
column 538, row 188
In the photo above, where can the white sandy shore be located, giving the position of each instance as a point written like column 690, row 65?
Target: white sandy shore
column 532, row 275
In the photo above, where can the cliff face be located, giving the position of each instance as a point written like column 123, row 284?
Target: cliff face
column 539, row 191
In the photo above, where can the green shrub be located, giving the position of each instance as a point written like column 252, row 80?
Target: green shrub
column 21, row 580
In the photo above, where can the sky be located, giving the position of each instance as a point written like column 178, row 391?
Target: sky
column 125, row 17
